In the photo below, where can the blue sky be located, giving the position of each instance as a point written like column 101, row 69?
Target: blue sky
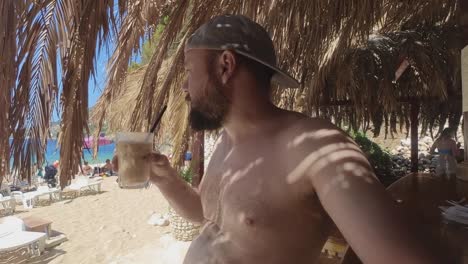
column 95, row 86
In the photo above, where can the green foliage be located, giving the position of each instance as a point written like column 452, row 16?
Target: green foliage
column 379, row 159
column 149, row 47
column 187, row 174
column 133, row 66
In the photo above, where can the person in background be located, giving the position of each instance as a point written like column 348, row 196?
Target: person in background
column 107, row 168
column 40, row 172
column 34, row 169
column 87, row 170
column 448, row 152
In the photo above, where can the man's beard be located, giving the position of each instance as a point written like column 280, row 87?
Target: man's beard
column 210, row 112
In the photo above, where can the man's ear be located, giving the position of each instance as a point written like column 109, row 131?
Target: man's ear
column 228, row 63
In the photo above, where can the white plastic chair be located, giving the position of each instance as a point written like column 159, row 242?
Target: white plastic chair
column 27, row 199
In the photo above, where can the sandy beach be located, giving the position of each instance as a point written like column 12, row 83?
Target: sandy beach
column 109, row 227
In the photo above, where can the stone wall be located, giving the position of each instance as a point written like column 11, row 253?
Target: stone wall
column 210, row 141
column 427, row 162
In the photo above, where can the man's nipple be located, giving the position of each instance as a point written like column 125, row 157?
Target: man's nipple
column 246, row 220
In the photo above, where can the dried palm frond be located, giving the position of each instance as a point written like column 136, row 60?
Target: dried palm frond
column 140, row 19
column 117, row 110
column 44, row 30
column 9, row 14
column 365, row 80
column 146, row 105
column 90, row 31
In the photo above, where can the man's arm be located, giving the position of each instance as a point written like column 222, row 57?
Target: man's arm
column 182, row 197
column 360, row 206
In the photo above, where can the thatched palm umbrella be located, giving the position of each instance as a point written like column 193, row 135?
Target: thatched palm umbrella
column 396, row 78
column 53, row 35
column 378, row 78
column 118, row 112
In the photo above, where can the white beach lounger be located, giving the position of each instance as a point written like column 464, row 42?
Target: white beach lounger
column 52, row 192
column 13, row 236
column 83, row 183
column 10, row 241
column 13, row 240
column 8, row 203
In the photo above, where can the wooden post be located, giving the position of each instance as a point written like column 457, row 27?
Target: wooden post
column 414, row 136
column 462, row 168
column 465, row 136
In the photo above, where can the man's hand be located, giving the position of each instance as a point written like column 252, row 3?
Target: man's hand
column 161, row 170
column 115, row 163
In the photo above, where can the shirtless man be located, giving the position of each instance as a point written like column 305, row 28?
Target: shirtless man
column 87, row 170
column 276, row 178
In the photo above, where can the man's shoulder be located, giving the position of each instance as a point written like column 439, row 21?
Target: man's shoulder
column 302, row 129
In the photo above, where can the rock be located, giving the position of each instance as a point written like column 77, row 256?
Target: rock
column 424, row 148
column 162, row 222
column 158, row 220
column 427, row 140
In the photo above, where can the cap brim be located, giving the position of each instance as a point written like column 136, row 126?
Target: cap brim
column 280, row 77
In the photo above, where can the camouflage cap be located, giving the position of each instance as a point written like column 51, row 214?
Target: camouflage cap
column 243, row 36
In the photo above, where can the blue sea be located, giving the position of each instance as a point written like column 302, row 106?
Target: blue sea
column 53, row 153
column 105, row 152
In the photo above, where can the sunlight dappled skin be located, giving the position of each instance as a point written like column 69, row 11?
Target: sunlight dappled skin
column 319, row 134
column 252, row 186
column 239, row 174
column 345, row 157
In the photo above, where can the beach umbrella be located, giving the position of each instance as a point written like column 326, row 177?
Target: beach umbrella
column 88, row 142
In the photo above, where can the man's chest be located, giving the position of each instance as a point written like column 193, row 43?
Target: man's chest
column 248, row 186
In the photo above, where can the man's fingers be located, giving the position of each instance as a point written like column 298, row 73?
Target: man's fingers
column 155, row 157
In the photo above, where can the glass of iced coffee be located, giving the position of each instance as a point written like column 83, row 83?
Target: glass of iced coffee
column 131, row 149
